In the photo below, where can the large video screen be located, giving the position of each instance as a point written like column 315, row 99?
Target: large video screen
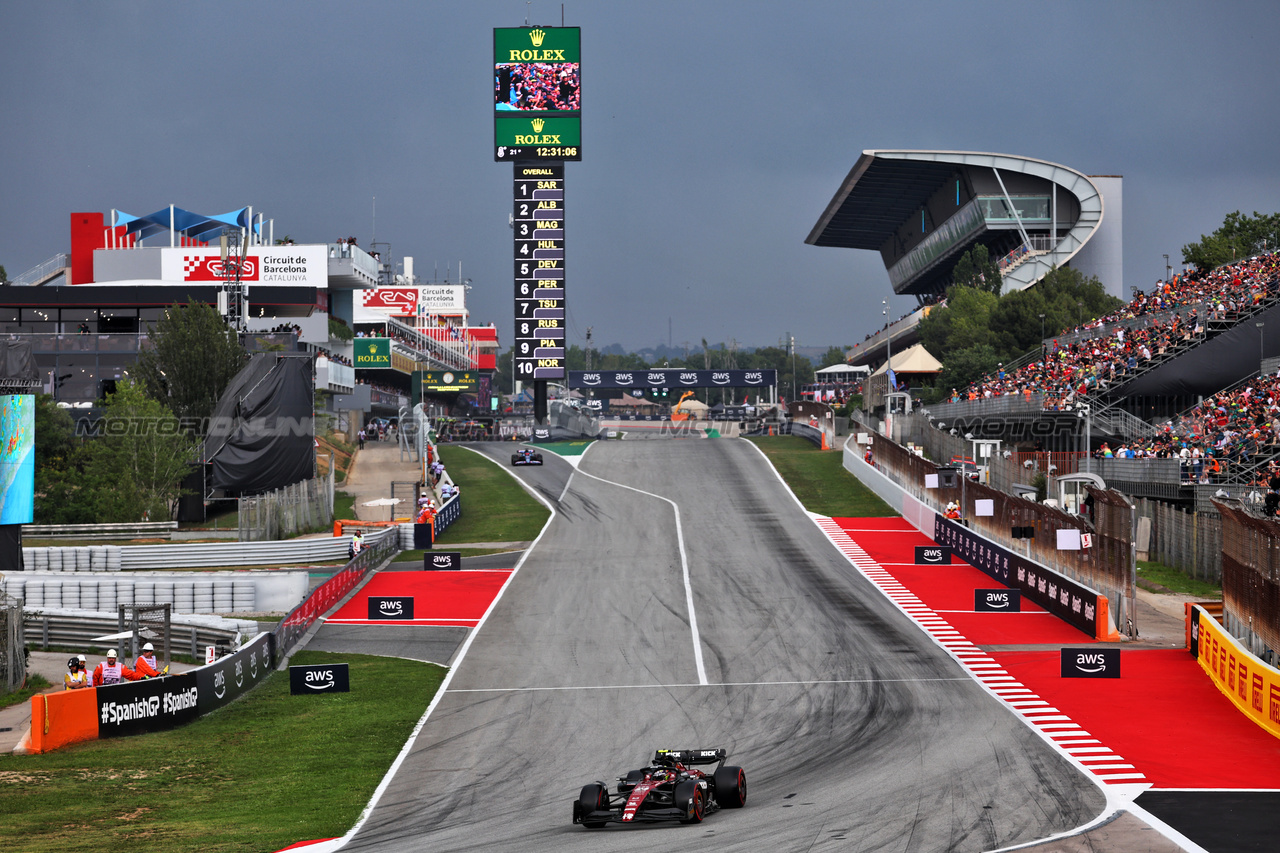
column 537, row 94
column 17, row 458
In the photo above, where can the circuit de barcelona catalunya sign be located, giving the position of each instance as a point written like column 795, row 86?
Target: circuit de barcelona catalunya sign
column 670, row 377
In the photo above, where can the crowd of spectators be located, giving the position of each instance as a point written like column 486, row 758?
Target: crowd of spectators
column 538, row 86
column 1113, row 347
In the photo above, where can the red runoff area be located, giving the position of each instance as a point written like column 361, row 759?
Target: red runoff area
column 439, row 598
column 1163, row 714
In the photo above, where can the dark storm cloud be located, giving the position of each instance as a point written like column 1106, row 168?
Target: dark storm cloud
column 714, row 134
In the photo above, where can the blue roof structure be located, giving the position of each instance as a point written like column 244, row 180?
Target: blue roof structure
column 183, row 221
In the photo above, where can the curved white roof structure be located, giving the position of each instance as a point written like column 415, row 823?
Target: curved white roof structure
column 922, row 210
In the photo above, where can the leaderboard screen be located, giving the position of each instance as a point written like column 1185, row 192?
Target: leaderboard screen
column 538, row 223
column 537, row 94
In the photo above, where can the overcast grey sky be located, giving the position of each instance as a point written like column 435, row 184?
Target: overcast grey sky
column 714, row 134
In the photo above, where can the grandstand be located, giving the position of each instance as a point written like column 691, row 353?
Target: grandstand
column 922, row 210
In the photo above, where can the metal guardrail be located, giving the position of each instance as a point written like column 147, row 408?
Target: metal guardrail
column 299, row 620
column 194, row 554
column 46, row 628
column 150, row 529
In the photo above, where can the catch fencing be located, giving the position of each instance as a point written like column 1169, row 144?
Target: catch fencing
column 13, row 658
column 303, row 507
column 1251, row 580
column 1188, row 541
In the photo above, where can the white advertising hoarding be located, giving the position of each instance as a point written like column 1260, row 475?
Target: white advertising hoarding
column 375, row 304
column 275, row 265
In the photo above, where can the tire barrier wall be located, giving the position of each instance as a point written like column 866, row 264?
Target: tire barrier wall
column 136, row 707
column 115, row 558
column 205, row 592
column 1251, row 685
column 1085, row 608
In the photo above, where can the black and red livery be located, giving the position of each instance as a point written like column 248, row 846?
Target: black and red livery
column 671, row 788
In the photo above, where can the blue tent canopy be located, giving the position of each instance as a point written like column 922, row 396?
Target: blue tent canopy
column 184, row 222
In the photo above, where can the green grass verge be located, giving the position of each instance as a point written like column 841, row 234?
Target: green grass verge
column 36, row 683
column 1175, row 580
column 344, row 505
column 265, row 772
column 495, row 508
column 819, row 479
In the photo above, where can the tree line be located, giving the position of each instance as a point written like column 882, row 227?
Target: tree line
column 129, row 464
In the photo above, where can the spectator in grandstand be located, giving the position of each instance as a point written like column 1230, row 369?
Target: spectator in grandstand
column 112, row 671
column 146, row 663
column 77, row 675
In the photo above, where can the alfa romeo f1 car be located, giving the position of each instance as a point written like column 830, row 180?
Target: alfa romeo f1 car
column 526, row 456
column 670, row 788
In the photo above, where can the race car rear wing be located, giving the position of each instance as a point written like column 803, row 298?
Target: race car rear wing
column 689, row 756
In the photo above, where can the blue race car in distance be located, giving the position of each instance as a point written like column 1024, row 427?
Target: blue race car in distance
column 526, row 456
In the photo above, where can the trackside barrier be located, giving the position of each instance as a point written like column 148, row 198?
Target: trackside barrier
column 378, row 546
column 1069, row 600
column 135, row 707
column 114, row 558
column 1251, row 685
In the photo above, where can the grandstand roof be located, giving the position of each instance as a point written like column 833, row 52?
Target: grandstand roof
column 874, row 199
column 183, row 221
column 897, row 203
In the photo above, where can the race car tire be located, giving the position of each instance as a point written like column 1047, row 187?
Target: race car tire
column 634, row 777
column 515, row 457
column 690, row 800
column 731, row 787
column 594, row 798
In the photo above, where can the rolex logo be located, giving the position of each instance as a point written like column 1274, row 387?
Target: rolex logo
column 538, row 124
column 536, row 36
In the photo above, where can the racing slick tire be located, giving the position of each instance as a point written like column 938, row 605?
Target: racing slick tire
column 594, row 798
column 690, row 799
column 515, row 457
column 537, row 459
column 731, row 787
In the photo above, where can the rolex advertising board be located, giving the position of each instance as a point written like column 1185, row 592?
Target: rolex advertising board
column 537, row 94
column 447, row 380
column 371, row 352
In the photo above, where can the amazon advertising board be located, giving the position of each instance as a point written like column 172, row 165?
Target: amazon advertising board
column 227, row 678
column 538, row 226
column 1070, row 601
column 671, row 377
column 537, row 94
column 275, row 265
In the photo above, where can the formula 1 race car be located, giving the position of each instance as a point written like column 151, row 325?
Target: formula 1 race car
column 670, row 788
column 526, row 456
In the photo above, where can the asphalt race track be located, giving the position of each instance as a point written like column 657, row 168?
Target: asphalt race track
column 856, row 731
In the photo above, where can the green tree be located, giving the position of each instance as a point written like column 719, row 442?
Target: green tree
column 833, row 356
column 4, row 276
column 58, row 458
column 135, row 467
column 977, row 270
column 965, row 366
column 192, row 357
column 1239, row 237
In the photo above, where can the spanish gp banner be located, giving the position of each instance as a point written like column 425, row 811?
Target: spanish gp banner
column 229, row 677
column 670, row 377
column 1071, row 602
column 135, row 707
column 1251, row 685
column 275, row 265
